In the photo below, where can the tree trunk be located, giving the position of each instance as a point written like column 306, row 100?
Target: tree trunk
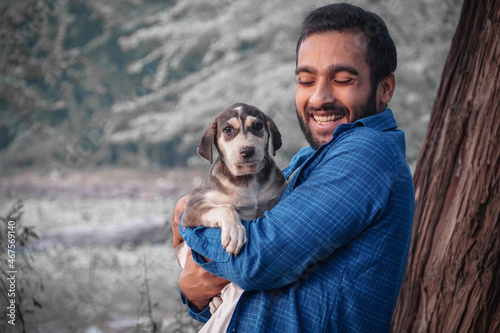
column 452, row 282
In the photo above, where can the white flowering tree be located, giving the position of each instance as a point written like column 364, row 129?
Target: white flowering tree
column 135, row 82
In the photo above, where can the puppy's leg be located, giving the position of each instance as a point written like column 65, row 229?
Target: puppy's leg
column 202, row 212
column 234, row 235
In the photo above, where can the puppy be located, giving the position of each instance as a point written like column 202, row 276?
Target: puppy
column 243, row 183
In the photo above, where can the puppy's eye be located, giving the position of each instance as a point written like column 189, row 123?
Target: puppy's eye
column 228, row 130
column 257, row 126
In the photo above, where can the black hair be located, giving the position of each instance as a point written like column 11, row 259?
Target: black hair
column 381, row 53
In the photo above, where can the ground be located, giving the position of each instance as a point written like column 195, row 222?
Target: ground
column 98, row 287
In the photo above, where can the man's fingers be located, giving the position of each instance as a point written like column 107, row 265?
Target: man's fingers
column 215, row 304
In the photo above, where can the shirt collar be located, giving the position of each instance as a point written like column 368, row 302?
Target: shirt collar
column 382, row 121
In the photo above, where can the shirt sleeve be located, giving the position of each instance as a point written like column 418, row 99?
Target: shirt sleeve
column 336, row 196
column 202, row 316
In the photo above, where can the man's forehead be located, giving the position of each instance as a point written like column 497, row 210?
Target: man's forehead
column 355, row 37
column 347, row 41
column 341, row 46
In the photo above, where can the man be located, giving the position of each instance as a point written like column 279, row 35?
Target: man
column 330, row 256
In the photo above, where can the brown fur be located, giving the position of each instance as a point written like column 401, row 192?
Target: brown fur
column 244, row 181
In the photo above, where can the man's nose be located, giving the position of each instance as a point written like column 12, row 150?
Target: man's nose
column 323, row 94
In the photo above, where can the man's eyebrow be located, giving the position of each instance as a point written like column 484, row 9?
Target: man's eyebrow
column 333, row 69
column 306, row 69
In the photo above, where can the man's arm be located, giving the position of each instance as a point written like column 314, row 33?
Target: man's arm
column 196, row 284
column 341, row 197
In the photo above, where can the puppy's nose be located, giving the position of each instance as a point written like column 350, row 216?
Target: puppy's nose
column 247, row 152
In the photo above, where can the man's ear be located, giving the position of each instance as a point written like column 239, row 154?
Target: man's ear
column 205, row 149
column 385, row 90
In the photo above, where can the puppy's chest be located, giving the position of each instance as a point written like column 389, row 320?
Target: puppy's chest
column 252, row 201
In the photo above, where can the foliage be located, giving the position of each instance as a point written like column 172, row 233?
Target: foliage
column 17, row 288
column 96, row 287
column 135, row 82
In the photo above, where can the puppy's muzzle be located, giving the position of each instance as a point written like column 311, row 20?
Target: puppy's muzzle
column 247, row 152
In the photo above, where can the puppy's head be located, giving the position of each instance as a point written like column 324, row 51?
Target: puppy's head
column 241, row 135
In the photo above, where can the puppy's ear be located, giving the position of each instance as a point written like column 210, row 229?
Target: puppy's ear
column 275, row 135
column 205, row 149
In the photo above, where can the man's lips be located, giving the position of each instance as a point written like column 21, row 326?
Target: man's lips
column 327, row 119
column 327, row 115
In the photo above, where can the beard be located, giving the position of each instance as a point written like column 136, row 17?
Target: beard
column 366, row 109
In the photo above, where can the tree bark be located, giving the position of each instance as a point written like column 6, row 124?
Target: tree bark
column 452, row 282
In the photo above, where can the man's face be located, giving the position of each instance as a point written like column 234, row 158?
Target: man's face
column 333, row 84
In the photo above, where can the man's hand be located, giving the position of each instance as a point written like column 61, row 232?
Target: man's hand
column 198, row 285
column 214, row 304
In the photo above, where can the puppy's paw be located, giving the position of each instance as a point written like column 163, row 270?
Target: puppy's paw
column 234, row 236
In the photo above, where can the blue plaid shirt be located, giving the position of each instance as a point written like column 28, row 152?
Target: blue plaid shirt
column 331, row 255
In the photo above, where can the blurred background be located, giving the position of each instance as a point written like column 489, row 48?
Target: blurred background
column 102, row 106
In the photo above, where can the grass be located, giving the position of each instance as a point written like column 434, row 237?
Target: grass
column 97, row 288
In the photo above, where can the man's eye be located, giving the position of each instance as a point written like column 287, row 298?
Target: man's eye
column 258, row 126
column 344, row 82
column 305, row 82
column 228, row 130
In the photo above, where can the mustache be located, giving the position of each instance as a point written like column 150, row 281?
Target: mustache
column 329, row 108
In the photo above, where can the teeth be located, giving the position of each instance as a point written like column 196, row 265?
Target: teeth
column 324, row 120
